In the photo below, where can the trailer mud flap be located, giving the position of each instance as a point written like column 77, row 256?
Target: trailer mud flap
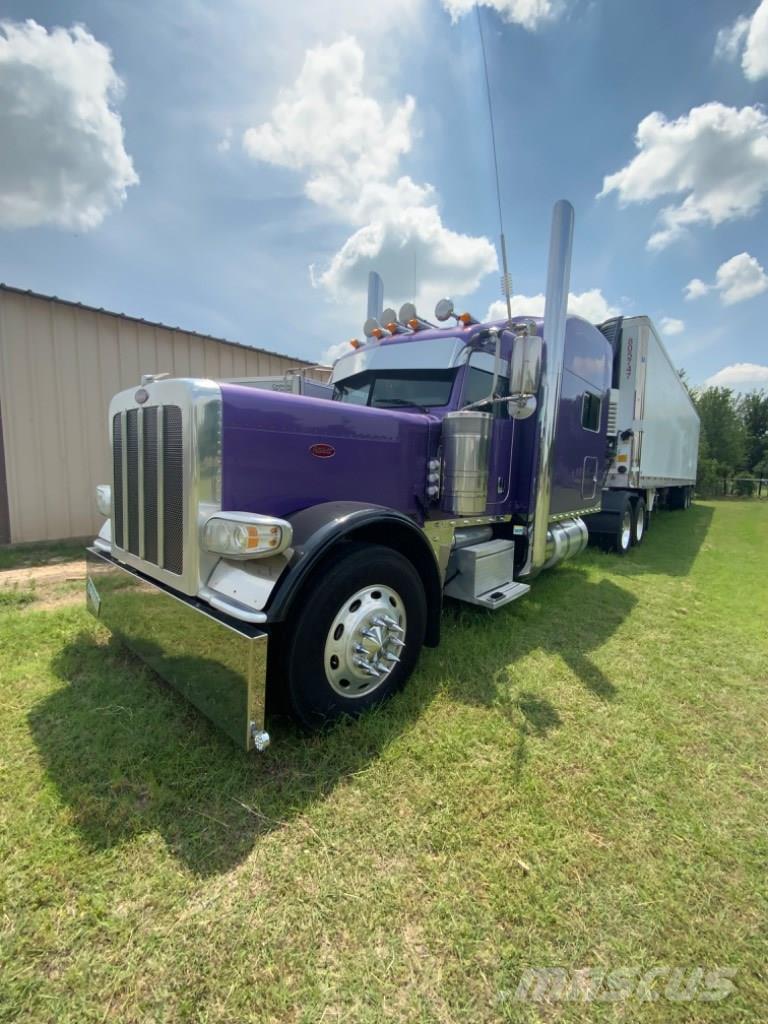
column 213, row 662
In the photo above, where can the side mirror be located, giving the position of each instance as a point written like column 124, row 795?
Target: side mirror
column 525, row 373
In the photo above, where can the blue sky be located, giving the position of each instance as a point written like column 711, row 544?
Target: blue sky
column 191, row 164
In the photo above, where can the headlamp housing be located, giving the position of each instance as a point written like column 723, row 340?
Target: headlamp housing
column 241, row 535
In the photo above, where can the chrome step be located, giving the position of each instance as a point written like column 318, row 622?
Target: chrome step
column 500, row 595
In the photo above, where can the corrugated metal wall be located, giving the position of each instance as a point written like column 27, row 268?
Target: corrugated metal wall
column 60, row 364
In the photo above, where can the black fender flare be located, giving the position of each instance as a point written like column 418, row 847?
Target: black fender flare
column 317, row 530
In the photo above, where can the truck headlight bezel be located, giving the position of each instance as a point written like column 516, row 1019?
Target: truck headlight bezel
column 104, row 499
column 244, row 535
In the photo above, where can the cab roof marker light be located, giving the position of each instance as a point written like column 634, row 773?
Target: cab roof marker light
column 467, row 319
column 372, row 329
column 408, row 315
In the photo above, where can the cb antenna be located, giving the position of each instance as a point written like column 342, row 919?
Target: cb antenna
column 506, row 277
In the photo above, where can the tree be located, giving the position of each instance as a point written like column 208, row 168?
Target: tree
column 753, row 411
column 722, row 429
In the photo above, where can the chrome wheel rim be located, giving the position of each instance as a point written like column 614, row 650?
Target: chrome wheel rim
column 640, row 525
column 626, row 530
column 365, row 641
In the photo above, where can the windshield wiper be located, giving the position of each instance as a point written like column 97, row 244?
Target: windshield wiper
column 398, row 402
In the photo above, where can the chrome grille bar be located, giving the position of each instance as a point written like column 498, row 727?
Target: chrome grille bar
column 124, row 473
column 160, row 554
column 117, row 477
column 140, row 480
column 149, row 482
column 132, row 450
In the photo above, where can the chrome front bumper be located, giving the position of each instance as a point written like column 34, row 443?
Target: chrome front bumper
column 219, row 665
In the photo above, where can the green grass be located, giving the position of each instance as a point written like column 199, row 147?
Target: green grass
column 578, row 780
column 20, row 556
column 15, row 597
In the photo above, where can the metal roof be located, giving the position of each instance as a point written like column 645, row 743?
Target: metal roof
column 149, row 323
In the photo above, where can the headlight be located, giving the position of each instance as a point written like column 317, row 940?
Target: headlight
column 243, row 535
column 104, row 499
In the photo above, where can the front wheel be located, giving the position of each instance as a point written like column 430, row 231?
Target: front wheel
column 357, row 636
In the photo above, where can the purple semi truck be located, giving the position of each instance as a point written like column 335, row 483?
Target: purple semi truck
column 255, row 536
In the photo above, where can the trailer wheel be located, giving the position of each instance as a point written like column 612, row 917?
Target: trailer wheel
column 357, row 636
column 639, row 521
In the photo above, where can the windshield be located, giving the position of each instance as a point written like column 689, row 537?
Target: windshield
column 389, row 389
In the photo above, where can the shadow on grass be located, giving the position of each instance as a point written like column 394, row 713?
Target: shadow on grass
column 129, row 756
column 672, row 543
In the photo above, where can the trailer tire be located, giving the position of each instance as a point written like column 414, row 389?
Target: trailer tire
column 639, row 521
column 327, row 679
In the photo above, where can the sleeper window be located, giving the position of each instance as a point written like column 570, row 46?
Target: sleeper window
column 590, row 412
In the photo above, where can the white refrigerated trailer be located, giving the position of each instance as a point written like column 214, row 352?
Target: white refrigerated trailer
column 653, row 430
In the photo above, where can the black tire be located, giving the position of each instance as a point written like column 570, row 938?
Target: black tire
column 314, row 694
column 639, row 521
column 621, row 539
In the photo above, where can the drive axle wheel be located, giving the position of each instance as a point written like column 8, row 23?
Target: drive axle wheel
column 623, row 540
column 357, row 636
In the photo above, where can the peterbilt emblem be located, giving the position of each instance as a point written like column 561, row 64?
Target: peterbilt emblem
column 322, row 451
column 141, row 396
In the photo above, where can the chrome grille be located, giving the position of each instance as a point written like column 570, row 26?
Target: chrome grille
column 149, row 481
column 148, row 485
column 117, row 481
column 173, row 490
column 132, row 464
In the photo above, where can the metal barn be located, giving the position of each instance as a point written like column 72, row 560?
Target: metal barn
column 60, row 363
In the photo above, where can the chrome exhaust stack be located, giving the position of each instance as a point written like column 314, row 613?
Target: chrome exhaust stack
column 555, row 310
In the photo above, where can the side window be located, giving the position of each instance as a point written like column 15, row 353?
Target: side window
column 590, row 411
column 478, row 380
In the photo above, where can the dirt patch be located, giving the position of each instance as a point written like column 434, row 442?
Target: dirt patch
column 43, row 575
column 46, row 587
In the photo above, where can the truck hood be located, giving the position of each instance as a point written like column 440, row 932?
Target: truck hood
column 282, row 453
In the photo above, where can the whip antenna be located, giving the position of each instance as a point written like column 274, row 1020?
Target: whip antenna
column 506, row 277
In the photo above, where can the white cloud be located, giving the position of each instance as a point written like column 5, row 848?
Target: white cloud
column 748, row 37
column 592, row 305
column 349, row 145
column 716, row 155
column 671, row 325
column 528, row 13
column 740, row 377
column 731, row 39
column 334, row 352
column 67, row 165
column 739, row 278
column 696, row 288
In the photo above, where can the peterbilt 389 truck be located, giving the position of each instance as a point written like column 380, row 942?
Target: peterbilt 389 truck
column 254, row 536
